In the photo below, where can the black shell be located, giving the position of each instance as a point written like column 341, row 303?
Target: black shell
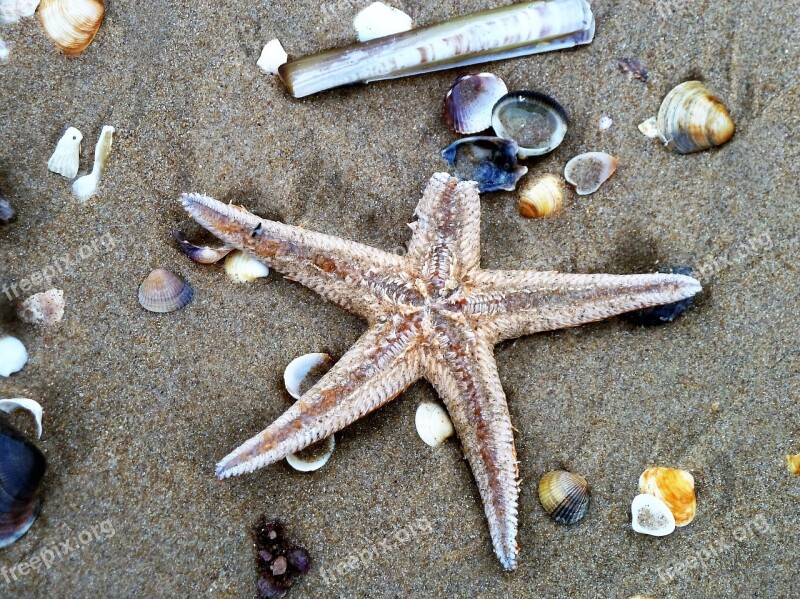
column 22, row 468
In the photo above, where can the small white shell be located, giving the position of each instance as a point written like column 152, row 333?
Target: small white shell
column 14, row 10
column 43, row 308
column 650, row 128
column 587, row 172
column 13, row 356
column 433, row 423
column 22, row 403
column 272, row 57
column 379, row 20
column 86, row 186
column 605, row 123
column 314, row 456
column 243, row 268
column 303, row 372
column 66, row 156
column 651, row 516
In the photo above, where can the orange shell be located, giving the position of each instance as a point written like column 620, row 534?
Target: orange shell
column 675, row 488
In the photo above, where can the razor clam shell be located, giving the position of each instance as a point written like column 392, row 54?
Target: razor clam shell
column 497, row 34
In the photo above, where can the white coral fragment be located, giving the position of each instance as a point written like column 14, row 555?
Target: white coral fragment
column 379, row 20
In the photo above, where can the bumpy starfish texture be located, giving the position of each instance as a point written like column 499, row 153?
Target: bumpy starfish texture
column 432, row 314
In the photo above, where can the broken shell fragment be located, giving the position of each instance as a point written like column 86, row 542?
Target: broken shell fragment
column 793, row 464
column 313, row 457
column 13, row 356
column 675, row 488
column 202, row 254
column 605, row 123
column 651, row 516
column 14, row 10
column 469, row 102
column 66, row 156
column 564, row 496
column 86, row 186
column 489, row 161
column 243, row 268
column 587, row 172
column 164, row 291
column 303, row 372
column 45, row 308
column 379, row 20
column 433, row 423
column 534, row 120
column 7, row 212
column 29, row 405
column 71, row 24
column 541, row 197
column 272, row 57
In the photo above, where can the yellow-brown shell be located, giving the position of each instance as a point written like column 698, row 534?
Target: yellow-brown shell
column 675, row 488
column 541, row 197
column 564, row 496
column 691, row 119
column 164, row 291
column 793, row 464
column 71, row 24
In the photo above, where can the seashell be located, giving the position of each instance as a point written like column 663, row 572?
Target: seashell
column 534, row 120
column 43, row 308
column 243, row 268
column 7, row 212
column 4, row 51
column 587, row 172
column 314, row 456
column 29, row 405
column 433, row 423
column 86, row 186
column 665, row 313
column 378, row 20
column 651, row 516
column 489, row 161
column 201, row 254
column 22, row 468
column 541, row 197
column 164, row 291
column 504, row 32
column 13, row 356
column 469, row 102
column 691, row 119
column 605, row 123
column 66, row 157
column 272, row 56
column 564, row 496
column 793, row 464
column 303, row 372
column 14, row 10
column 71, row 24
column 675, row 488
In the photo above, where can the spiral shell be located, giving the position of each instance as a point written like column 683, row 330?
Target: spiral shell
column 243, row 268
column 651, row 516
column 303, row 372
column 314, row 456
column 469, row 102
column 587, row 172
column 675, row 488
column 564, row 496
column 541, row 197
column 164, row 291
column 433, row 423
column 71, row 24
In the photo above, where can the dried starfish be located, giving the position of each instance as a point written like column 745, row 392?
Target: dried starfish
column 432, row 314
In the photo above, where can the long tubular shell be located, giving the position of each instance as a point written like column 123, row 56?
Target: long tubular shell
column 497, row 34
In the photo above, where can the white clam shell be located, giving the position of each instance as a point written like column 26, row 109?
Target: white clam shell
column 43, row 308
column 651, row 516
column 29, row 405
column 433, row 423
column 86, row 186
column 272, row 57
column 587, row 172
column 14, row 10
column 243, row 268
column 379, row 20
column 66, row 157
column 13, row 356
column 301, row 372
column 314, row 456
column 605, row 123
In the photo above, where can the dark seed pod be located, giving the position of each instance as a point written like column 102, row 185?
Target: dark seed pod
column 22, row 468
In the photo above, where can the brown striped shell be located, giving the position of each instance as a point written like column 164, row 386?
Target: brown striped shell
column 164, row 291
column 564, row 496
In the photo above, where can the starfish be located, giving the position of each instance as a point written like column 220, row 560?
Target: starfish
column 433, row 313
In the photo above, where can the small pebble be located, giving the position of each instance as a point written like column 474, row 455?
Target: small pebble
column 605, row 122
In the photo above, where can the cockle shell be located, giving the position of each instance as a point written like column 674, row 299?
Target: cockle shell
column 45, row 308
column 86, row 186
column 314, row 456
column 651, row 516
column 243, row 268
column 675, row 488
column 13, row 356
column 164, row 291
column 587, row 172
column 564, row 496
column 489, row 161
column 534, row 120
column 793, row 464
column 469, row 102
column 541, row 197
column 303, row 372
column 14, row 10
column 29, row 405
column 272, row 57
column 433, row 423
column 71, row 24
column 379, row 20
column 202, row 254
column 66, row 157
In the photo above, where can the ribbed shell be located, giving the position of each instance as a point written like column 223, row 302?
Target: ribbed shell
column 564, row 496
column 469, row 102
column 71, row 24
column 164, row 291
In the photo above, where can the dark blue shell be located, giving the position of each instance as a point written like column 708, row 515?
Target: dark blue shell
column 667, row 312
column 489, row 161
column 22, row 468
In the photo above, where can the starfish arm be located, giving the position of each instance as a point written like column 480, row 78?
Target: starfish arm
column 446, row 242
column 381, row 365
column 509, row 304
column 465, row 376
column 357, row 277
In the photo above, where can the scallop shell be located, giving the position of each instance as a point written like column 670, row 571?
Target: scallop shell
column 433, row 423
column 587, row 172
column 675, row 488
column 71, row 24
column 303, row 372
column 202, row 254
column 164, row 291
column 314, row 456
column 272, row 57
column 45, row 308
column 793, row 464
column 29, row 405
column 14, row 10
column 651, row 516
column 469, row 102
column 489, row 161
column 541, row 197
column 379, row 20
column 534, row 120
column 86, row 186
column 564, row 496
column 243, row 268
column 66, row 157
column 13, row 356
